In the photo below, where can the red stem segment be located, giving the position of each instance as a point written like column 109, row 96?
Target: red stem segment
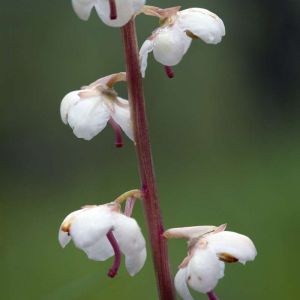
column 113, row 271
column 144, row 156
column 212, row 296
column 113, row 10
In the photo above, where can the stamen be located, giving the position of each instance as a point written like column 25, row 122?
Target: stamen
column 130, row 202
column 113, row 271
column 118, row 133
column 227, row 258
column 169, row 72
column 212, row 296
column 113, row 9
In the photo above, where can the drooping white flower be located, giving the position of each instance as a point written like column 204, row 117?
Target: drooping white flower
column 208, row 250
column 171, row 41
column 88, row 110
column 91, row 229
column 115, row 13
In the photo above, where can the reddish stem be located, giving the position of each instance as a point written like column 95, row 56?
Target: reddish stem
column 170, row 73
column 144, row 156
column 113, row 10
column 118, row 133
column 113, row 271
column 212, row 296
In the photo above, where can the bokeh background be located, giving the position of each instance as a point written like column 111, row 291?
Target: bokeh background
column 225, row 137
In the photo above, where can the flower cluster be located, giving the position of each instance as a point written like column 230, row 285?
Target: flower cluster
column 105, row 231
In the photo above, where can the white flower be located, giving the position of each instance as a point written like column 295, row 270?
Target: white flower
column 88, row 110
column 171, row 41
column 89, row 229
column 124, row 9
column 209, row 248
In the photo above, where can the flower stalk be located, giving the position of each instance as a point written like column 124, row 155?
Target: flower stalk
column 145, row 163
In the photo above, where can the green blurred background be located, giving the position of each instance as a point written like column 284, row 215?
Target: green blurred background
column 225, row 137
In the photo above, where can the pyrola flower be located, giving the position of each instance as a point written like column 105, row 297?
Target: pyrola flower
column 88, row 110
column 102, row 232
column 115, row 13
column 209, row 248
column 173, row 38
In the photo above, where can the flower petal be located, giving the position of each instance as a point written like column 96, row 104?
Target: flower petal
column 204, row 270
column 90, row 227
column 100, row 250
column 134, row 263
column 233, row 244
column 181, row 285
column 146, row 48
column 88, row 117
column 125, row 11
column 121, row 115
column 170, row 45
column 83, row 8
column 67, row 102
column 131, row 242
column 63, row 236
column 203, row 24
column 188, row 232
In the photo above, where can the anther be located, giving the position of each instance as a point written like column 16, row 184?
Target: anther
column 225, row 257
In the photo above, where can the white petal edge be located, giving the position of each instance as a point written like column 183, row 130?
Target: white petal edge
column 128, row 234
column 91, row 226
column 170, row 45
column 188, row 232
column 134, row 263
column 67, row 102
column 121, row 115
column 181, row 285
column 63, row 237
column 83, row 8
column 146, row 48
column 131, row 242
column 88, row 117
column 204, row 270
column 101, row 250
column 202, row 23
column 234, row 244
